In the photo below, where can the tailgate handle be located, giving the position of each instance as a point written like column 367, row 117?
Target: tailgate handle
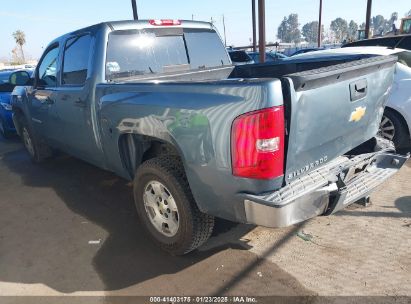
column 358, row 89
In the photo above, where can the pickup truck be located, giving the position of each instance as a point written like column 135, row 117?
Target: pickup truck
column 158, row 102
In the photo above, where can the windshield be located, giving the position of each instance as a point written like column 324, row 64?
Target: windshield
column 138, row 53
column 406, row 28
column 4, row 77
column 5, row 86
column 239, row 56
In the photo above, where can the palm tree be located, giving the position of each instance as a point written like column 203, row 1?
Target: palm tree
column 20, row 38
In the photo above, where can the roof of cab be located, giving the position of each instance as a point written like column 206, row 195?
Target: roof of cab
column 134, row 25
column 142, row 24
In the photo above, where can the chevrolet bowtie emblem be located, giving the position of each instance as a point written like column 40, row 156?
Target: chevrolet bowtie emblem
column 358, row 114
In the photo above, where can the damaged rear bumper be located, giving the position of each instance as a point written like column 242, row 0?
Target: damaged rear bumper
column 323, row 191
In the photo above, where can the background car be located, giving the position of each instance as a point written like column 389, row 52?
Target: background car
column 396, row 122
column 269, row 56
column 8, row 80
column 239, row 57
column 306, row 50
column 400, row 41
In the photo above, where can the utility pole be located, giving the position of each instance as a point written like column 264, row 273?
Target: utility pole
column 134, row 6
column 225, row 37
column 254, row 26
column 319, row 37
column 261, row 29
column 368, row 19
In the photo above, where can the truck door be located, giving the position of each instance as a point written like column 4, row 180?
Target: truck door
column 42, row 97
column 74, row 100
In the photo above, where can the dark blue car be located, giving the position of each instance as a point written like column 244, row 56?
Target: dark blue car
column 8, row 81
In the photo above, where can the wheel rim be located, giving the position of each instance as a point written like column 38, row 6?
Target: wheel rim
column 161, row 208
column 28, row 142
column 387, row 129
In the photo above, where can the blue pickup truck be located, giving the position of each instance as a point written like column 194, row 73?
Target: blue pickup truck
column 158, row 102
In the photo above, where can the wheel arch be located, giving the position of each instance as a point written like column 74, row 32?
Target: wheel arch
column 400, row 116
column 18, row 114
column 135, row 149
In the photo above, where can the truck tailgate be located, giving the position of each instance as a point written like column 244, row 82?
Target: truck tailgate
column 332, row 110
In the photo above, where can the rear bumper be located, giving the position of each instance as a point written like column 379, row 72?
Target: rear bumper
column 323, row 191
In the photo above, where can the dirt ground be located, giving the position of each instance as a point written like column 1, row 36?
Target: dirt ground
column 68, row 228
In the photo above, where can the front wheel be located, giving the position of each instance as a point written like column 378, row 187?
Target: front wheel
column 37, row 150
column 166, row 207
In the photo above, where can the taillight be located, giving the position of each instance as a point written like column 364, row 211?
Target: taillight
column 164, row 22
column 257, row 144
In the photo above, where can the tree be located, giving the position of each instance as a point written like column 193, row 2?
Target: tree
column 352, row 29
column 310, row 31
column 394, row 17
column 408, row 14
column 340, row 28
column 295, row 33
column 289, row 31
column 378, row 23
column 390, row 22
column 20, row 39
column 282, row 30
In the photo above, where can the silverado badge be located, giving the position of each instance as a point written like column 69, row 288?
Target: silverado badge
column 358, row 114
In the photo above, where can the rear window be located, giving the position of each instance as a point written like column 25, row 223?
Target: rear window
column 239, row 56
column 76, row 57
column 138, row 53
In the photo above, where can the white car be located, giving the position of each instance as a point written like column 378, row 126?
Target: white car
column 396, row 122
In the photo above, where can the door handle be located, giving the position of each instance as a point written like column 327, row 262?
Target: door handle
column 361, row 87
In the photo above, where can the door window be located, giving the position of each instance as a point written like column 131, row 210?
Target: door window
column 47, row 73
column 76, row 58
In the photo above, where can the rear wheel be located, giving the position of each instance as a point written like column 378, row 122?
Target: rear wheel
column 166, row 206
column 393, row 128
column 37, row 150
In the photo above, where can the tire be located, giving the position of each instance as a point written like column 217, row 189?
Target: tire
column 393, row 128
column 37, row 150
column 6, row 134
column 193, row 226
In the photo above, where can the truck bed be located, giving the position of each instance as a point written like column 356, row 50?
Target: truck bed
column 320, row 104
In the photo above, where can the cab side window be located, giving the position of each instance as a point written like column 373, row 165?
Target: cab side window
column 76, row 58
column 47, row 72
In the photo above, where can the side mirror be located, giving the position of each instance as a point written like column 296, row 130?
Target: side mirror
column 19, row 78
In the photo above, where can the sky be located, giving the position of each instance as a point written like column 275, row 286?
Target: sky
column 44, row 20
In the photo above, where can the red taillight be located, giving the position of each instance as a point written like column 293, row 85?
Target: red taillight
column 257, row 144
column 164, row 22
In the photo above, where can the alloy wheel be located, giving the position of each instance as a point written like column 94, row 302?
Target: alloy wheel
column 387, row 129
column 161, row 208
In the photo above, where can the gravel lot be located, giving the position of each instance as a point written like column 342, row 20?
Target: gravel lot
column 68, row 228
